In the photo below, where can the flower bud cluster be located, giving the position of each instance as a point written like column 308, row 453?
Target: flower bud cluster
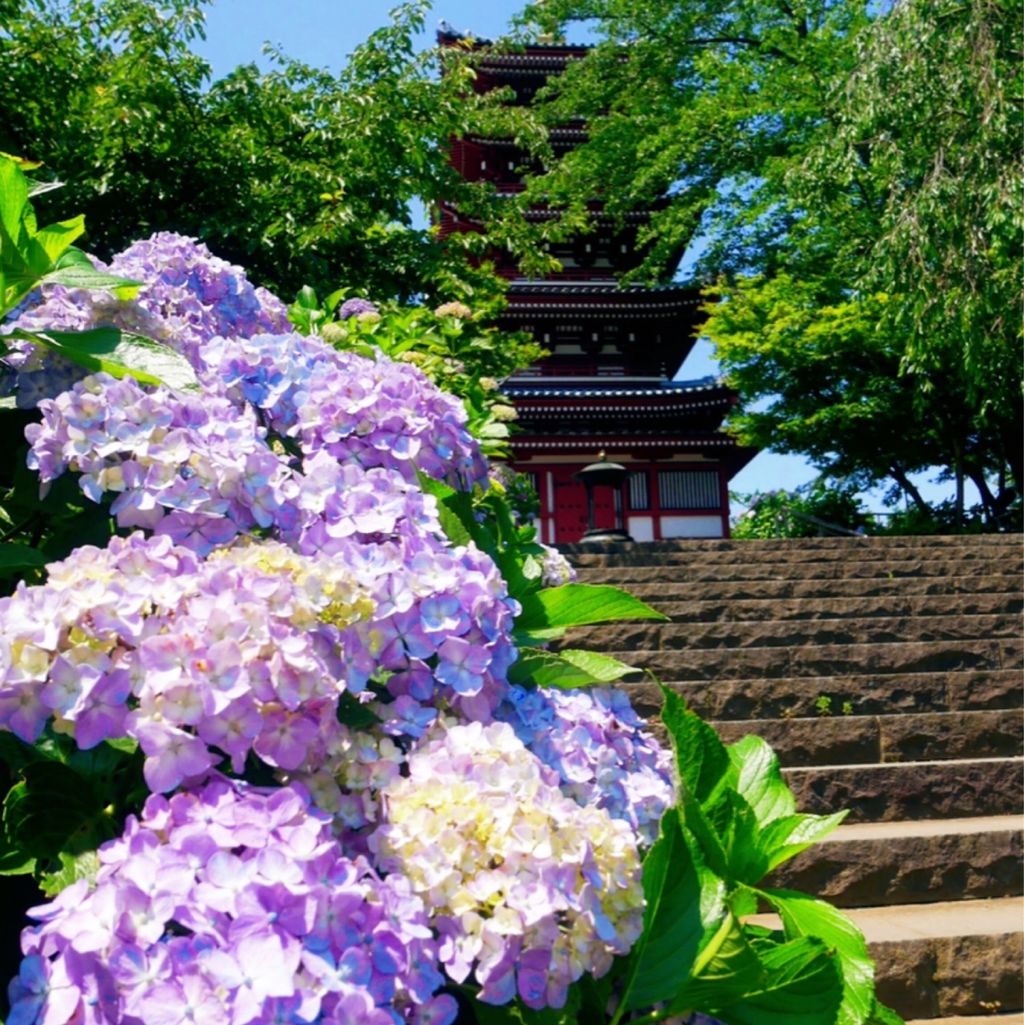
column 231, row 904
column 598, row 750
column 527, row 889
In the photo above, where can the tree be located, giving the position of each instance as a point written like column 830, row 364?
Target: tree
column 860, row 170
column 302, row 176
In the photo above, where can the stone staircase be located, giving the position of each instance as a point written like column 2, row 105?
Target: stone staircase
column 887, row 674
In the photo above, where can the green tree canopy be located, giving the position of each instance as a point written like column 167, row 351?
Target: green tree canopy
column 301, row 175
column 856, row 178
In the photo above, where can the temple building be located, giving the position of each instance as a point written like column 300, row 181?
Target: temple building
column 607, row 389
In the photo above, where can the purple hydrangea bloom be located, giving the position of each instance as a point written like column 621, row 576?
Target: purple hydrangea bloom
column 199, row 660
column 228, row 905
column 370, row 412
column 526, row 889
column 598, row 750
column 354, row 307
column 187, row 297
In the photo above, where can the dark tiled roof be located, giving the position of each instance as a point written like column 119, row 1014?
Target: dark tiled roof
column 668, row 389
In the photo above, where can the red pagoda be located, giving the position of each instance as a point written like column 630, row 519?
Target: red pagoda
column 606, row 390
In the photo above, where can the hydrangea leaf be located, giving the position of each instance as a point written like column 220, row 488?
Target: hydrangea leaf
column 701, row 757
column 15, row 558
column 685, row 905
column 566, row 669
column 760, row 780
column 119, row 354
column 549, row 612
column 352, row 712
column 787, row 837
column 54, row 808
column 75, row 270
column 794, row 983
column 803, row 916
column 72, row 868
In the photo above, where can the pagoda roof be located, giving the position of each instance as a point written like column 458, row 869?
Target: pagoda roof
column 590, row 299
column 526, row 389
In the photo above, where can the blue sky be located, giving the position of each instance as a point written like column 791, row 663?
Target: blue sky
column 324, row 32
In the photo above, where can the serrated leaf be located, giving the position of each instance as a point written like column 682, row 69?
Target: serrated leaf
column 701, row 757
column 76, row 274
column 547, row 613
column 800, row 985
column 54, row 239
column 72, row 868
column 51, row 808
column 803, row 915
column 353, row 713
column 120, row 354
column 759, row 779
column 684, row 906
column 454, row 508
column 882, row 1015
column 787, row 837
column 566, row 670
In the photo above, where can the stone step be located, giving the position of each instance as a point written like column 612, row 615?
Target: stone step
column 948, row 789
column 1017, row 1018
column 869, row 739
column 779, row 634
column 876, row 863
column 793, row 549
column 747, row 610
column 927, row 541
column 713, row 664
column 679, row 588
column 688, row 571
column 868, row 694
column 946, row 958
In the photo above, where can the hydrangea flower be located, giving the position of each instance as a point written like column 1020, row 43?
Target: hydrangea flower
column 556, row 568
column 371, row 412
column 527, row 889
column 598, row 750
column 246, row 651
column 187, row 297
column 355, row 308
column 194, row 467
column 228, row 905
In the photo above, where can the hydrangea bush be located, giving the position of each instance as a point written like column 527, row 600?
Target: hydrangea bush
column 285, row 742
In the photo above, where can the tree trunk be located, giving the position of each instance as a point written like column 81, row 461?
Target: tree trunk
column 901, row 478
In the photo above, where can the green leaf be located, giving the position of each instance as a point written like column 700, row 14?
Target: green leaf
column 455, row 510
column 353, row 713
column 759, row 779
column 684, row 906
column 882, row 1015
column 54, row 239
column 548, row 612
column 15, row 558
column 701, row 757
column 13, row 198
column 787, row 837
column 566, row 669
column 803, row 915
column 52, row 809
column 76, row 273
column 800, row 985
column 120, row 354
column 72, row 868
